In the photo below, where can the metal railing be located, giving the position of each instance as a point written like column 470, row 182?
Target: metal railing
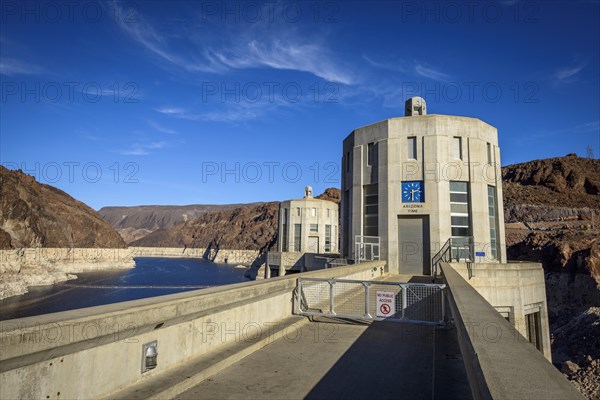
column 366, row 248
column 330, row 262
column 454, row 249
column 419, row 303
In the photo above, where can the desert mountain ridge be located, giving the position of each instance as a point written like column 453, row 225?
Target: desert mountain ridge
column 551, row 188
column 135, row 222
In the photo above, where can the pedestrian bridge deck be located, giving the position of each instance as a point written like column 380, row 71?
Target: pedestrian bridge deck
column 346, row 359
column 331, row 358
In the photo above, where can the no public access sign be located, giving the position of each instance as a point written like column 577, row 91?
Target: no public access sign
column 386, row 304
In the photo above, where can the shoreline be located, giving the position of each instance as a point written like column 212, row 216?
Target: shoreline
column 23, row 268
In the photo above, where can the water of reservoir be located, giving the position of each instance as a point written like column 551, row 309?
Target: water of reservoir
column 150, row 277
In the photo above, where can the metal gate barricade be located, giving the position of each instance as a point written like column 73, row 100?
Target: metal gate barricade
column 421, row 303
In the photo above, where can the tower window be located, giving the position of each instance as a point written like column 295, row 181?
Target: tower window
column 457, row 147
column 459, row 209
column 493, row 221
column 371, row 212
column 370, row 153
column 412, row 148
column 297, row 237
column 348, row 162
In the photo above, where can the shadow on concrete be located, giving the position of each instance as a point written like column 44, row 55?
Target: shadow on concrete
column 396, row 360
column 334, row 320
column 424, row 279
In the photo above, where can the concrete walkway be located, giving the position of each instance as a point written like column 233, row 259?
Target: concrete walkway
column 324, row 360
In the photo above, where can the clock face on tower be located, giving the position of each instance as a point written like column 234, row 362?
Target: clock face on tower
column 413, row 192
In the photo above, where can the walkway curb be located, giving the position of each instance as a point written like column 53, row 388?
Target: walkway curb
column 196, row 370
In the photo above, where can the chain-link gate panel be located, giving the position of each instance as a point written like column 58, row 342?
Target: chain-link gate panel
column 371, row 300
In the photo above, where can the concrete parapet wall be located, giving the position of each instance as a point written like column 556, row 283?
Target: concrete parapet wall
column 500, row 362
column 231, row 256
column 93, row 352
column 518, row 288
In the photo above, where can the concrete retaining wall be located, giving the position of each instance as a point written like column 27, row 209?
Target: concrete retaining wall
column 65, row 259
column 515, row 288
column 245, row 257
column 93, row 352
column 25, row 267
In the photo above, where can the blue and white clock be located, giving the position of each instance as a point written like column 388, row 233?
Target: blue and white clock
column 413, row 192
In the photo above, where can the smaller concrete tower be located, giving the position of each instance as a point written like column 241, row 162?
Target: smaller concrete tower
column 308, row 225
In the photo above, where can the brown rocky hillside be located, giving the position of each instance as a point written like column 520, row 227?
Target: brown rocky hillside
column 37, row 215
column 331, row 194
column 133, row 223
column 245, row 227
column 552, row 188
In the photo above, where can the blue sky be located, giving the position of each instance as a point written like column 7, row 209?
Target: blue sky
column 150, row 102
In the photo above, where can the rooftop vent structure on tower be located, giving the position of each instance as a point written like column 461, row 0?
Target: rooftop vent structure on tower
column 308, row 192
column 415, row 106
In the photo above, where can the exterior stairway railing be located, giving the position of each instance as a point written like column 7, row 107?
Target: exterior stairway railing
column 454, row 249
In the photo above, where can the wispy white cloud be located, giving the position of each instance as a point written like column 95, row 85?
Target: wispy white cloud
column 569, row 74
column 161, row 128
column 145, row 34
column 234, row 114
column 142, row 148
column 180, row 113
column 170, row 110
column 11, row 67
column 286, row 55
column 259, row 47
column 405, row 67
column 585, row 129
column 233, row 111
column 91, row 137
column 394, row 67
column 431, row 73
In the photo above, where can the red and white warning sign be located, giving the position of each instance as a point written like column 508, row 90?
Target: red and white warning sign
column 386, row 304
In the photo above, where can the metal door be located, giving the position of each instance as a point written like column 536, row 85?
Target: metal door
column 413, row 244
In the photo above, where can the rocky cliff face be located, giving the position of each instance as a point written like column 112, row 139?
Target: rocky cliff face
column 133, row 223
column 331, row 194
column 569, row 175
column 557, row 202
column 62, row 236
column 552, row 208
column 37, row 215
column 245, row 227
column 551, row 189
